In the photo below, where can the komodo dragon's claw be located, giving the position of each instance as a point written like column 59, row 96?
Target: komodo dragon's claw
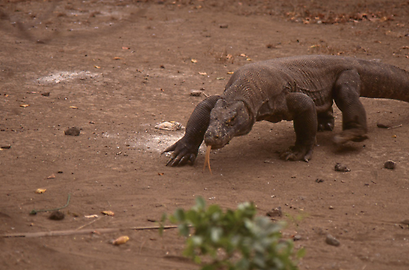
column 181, row 155
column 355, row 135
column 297, row 153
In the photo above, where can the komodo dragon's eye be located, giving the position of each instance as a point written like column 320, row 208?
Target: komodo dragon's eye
column 231, row 120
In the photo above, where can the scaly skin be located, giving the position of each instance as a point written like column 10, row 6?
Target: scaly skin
column 301, row 89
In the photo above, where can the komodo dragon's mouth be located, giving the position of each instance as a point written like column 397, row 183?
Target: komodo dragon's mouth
column 215, row 141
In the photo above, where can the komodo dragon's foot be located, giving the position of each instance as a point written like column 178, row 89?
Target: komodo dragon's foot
column 325, row 123
column 355, row 135
column 183, row 152
column 297, row 153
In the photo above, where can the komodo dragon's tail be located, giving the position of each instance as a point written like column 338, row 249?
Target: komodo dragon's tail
column 383, row 81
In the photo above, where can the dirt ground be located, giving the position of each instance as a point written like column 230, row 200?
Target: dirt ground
column 115, row 69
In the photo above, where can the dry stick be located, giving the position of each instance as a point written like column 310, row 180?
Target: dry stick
column 85, row 225
column 85, row 231
column 398, row 126
column 207, row 159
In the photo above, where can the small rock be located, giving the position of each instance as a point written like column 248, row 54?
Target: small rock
column 341, row 168
column 390, row 165
column 331, row 207
column 46, row 94
column 275, row 212
column 56, row 215
column 170, row 126
column 74, row 131
column 330, row 240
column 380, row 125
column 224, row 26
column 297, row 237
column 318, row 180
column 196, row 93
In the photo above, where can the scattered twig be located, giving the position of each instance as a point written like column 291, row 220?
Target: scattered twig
column 398, row 126
column 89, row 223
column 84, row 231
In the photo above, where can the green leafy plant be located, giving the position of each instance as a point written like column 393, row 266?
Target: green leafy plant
column 234, row 240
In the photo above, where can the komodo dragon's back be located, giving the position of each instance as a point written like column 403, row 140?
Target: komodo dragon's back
column 315, row 76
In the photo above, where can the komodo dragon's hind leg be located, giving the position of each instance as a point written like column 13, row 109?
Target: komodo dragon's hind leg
column 346, row 96
column 304, row 114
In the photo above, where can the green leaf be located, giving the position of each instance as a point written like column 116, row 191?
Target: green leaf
column 193, row 217
column 301, row 253
column 219, row 236
column 184, row 229
column 197, row 240
column 162, row 220
column 215, row 234
column 200, row 202
column 209, row 267
column 179, row 215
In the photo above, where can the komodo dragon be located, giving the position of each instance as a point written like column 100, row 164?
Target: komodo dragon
column 300, row 88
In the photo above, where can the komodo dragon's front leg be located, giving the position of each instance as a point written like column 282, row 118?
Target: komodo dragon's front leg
column 187, row 147
column 304, row 114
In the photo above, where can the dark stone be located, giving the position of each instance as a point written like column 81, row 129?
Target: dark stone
column 330, row 240
column 56, row 215
column 74, row 131
column 390, row 165
column 275, row 212
column 341, row 168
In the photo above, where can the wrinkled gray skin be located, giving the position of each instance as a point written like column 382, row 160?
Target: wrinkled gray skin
column 301, row 89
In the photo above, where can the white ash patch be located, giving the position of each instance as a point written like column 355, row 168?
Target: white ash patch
column 157, row 143
column 154, row 142
column 61, row 76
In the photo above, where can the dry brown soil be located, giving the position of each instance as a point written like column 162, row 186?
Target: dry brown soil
column 115, row 69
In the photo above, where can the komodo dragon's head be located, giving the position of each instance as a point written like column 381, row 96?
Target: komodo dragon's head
column 227, row 120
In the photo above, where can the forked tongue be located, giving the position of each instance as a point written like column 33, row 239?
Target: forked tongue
column 207, row 159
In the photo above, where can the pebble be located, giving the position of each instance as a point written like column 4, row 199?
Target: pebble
column 381, row 125
column 318, row 180
column 170, row 126
column 275, row 212
column 390, row 165
column 341, row 168
column 330, row 240
column 74, row 131
column 56, row 215
column 196, row 93
column 297, row 237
